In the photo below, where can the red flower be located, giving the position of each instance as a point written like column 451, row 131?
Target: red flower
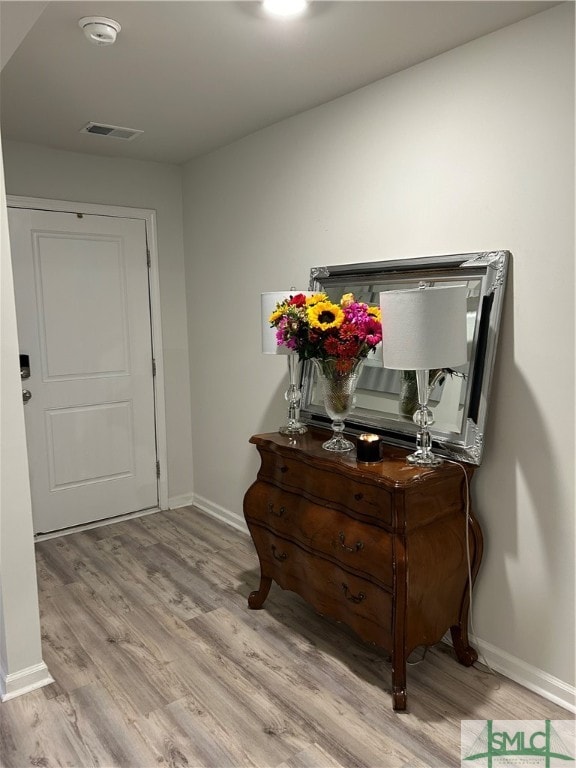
column 332, row 346
column 298, row 301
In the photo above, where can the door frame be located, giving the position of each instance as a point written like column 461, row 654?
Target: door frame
column 149, row 218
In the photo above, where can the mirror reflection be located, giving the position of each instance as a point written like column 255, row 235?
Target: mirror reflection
column 394, row 392
column 386, row 399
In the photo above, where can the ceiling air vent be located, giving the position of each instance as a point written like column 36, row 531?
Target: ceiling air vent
column 112, row 131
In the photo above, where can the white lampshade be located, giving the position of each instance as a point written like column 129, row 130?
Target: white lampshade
column 269, row 301
column 424, row 328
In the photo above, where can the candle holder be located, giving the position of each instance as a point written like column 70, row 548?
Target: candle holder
column 368, row 448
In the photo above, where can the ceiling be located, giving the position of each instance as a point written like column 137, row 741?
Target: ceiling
column 195, row 76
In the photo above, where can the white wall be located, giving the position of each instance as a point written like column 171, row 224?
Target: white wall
column 16, row 20
column 35, row 171
column 21, row 664
column 472, row 150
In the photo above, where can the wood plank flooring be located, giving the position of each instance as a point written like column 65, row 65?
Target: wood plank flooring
column 159, row 662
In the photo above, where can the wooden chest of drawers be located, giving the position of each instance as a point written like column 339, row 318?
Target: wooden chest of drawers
column 380, row 547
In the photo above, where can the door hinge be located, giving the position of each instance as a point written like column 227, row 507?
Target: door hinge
column 148, row 259
column 153, row 367
column 157, row 469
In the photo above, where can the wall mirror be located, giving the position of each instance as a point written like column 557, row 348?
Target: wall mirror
column 384, row 398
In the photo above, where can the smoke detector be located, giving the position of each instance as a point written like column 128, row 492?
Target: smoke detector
column 100, row 30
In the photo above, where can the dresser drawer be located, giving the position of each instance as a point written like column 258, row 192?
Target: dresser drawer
column 333, row 591
column 359, row 546
column 333, row 487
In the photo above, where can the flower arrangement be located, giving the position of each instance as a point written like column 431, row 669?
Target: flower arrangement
column 317, row 328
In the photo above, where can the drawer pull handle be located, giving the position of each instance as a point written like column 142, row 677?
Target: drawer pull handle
column 353, row 598
column 283, row 469
column 281, row 556
column 272, row 511
column 356, row 548
column 358, row 496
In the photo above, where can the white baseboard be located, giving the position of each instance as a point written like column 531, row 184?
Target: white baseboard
column 537, row 680
column 24, row 681
column 174, row 502
column 220, row 513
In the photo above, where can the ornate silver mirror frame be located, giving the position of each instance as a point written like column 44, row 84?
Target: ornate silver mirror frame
column 460, row 398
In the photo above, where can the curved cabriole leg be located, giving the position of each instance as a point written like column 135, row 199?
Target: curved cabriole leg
column 465, row 654
column 256, row 599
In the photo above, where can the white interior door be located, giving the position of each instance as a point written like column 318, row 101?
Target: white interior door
column 83, row 312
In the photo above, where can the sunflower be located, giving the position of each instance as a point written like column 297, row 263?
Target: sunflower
column 277, row 314
column 315, row 298
column 325, row 315
column 375, row 313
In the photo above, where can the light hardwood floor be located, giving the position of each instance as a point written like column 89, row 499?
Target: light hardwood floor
column 159, row 662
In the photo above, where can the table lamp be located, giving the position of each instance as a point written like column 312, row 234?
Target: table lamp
column 423, row 329
column 270, row 346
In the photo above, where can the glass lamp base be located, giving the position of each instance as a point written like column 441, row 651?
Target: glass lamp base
column 338, row 444
column 293, row 424
column 293, row 429
column 423, row 418
column 419, row 459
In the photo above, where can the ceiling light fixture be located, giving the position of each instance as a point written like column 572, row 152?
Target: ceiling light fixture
column 100, row 30
column 285, row 8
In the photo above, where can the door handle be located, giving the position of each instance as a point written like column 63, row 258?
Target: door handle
column 26, row 395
